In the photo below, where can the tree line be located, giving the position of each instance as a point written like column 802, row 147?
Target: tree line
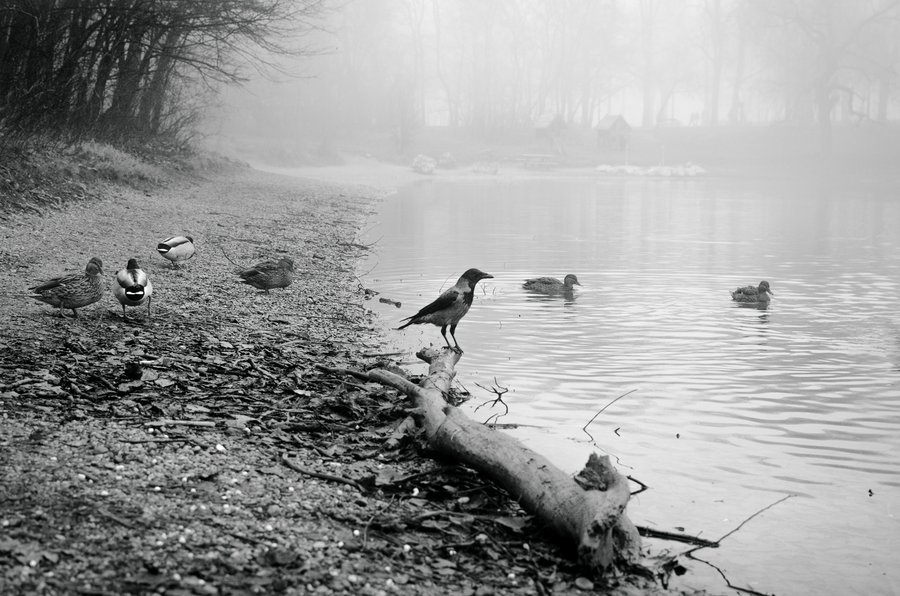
column 502, row 64
column 119, row 69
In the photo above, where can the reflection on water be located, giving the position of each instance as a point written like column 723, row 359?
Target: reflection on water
column 734, row 404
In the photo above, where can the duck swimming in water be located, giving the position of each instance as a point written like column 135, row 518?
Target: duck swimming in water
column 269, row 274
column 132, row 287
column 73, row 291
column 176, row 248
column 753, row 294
column 551, row 285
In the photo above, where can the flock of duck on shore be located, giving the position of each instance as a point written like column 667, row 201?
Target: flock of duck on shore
column 132, row 287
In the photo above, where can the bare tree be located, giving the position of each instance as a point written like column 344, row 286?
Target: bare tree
column 104, row 67
column 825, row 38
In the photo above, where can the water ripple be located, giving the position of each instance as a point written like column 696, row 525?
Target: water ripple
column 792, row 398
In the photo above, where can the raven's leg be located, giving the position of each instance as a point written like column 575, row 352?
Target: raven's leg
column 444, row 333
column 453, row 334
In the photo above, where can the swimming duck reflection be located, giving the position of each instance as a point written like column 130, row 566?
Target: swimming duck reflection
column 567, row 296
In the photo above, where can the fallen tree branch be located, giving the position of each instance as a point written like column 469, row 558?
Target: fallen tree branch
column 589, row 514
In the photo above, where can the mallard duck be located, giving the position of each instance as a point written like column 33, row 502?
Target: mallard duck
column 760, row 293
column 551, row 285
column 176, row 248
column 450, row 307
column 73, row 291
column 269, row 274
column 133, row 287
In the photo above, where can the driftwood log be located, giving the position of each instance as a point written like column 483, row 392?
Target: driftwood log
column 587, row 512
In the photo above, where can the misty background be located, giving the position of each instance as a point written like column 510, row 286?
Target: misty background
column 741, row 82
column 397, row 77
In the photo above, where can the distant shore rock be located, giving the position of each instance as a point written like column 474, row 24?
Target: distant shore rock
column 676, row 171
column 486, row 167
column 424, row 164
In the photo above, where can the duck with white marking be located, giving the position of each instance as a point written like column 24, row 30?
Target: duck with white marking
column 176, row 249
column 133, row 287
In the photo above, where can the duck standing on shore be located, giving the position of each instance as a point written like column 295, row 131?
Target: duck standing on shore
column 73, row 291
column 176, row 248
column 753, row 294
column 551, row 285
column 450, row 307
column 133, row 287
column 269, row 274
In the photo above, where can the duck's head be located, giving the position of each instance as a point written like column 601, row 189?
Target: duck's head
column 94, row 266
column 570, row 280
column 132, row 264
column 286, row 263
column 764, row 288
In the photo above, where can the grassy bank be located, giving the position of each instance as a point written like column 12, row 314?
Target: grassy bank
column 43, row 173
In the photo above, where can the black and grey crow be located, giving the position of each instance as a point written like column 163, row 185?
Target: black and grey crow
column 451, row 306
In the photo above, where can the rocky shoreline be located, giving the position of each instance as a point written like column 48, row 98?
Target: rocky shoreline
column 203, row 449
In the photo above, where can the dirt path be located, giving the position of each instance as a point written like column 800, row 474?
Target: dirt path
column 146, row 456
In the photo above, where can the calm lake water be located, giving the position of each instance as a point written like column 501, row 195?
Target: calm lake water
column 732, row 407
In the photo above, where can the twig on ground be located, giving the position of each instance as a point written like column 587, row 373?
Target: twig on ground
column 201, row 423
column 103, row 382
column 222, row 248
column 112, row 516
column 169, row 440
column 348, row 481
column 360, row 246
column 382, row 354
column 677, row 537
column 365, row 530
column 422, row 474
column 260, row 369
column 362, row 376
column 442, row 512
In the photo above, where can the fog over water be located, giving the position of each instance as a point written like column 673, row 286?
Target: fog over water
column 383, row 72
